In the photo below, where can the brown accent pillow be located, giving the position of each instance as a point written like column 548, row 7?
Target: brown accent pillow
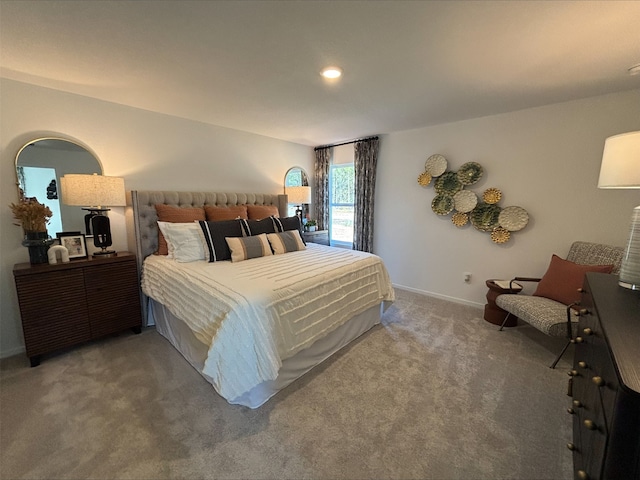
column 258, row 212
column 215, row 214
column 167, row 213
column 563, row 279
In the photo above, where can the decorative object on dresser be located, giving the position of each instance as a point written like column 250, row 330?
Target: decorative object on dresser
column 621, row 169
column 548, row 308
column 317, row 236
column 33, row 217
column 95, row 192
column 605, row 382
column 66, row 304
column 74, row 242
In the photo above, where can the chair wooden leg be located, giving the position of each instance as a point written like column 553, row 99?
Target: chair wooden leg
column 555, row 362
column 504, row 321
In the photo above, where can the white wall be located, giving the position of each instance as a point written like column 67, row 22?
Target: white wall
column 546, row 160
column 151, row 151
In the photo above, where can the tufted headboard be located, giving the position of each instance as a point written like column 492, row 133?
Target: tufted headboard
column 142, row 218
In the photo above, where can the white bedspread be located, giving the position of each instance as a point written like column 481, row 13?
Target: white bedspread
column 256, row 313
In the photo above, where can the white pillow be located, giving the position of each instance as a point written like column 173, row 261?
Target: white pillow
column 184, row 241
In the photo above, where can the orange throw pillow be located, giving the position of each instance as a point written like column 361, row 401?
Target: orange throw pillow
column 215, row 214
column 167, row 213
column 258, row 212
column 563, row 279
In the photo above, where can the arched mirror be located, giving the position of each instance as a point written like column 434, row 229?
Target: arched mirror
column 39, row 166
column 296, row 177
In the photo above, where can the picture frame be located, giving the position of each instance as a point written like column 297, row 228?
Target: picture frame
column 75, row 243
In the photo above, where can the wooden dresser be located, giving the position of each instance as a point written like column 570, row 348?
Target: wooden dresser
column 69, row 303
column 606, row 382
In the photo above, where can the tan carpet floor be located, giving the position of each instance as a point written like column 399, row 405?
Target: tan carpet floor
column 435, row 392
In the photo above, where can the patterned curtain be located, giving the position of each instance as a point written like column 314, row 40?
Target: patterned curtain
column 323, row 160
column 365, row 161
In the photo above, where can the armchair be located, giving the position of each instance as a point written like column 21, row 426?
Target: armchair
column 549, row 308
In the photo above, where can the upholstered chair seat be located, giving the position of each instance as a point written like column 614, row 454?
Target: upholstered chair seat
column 548, row 316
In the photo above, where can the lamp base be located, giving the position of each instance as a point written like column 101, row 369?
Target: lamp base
column 630, row 286
column 105, row 254
column 630, row 266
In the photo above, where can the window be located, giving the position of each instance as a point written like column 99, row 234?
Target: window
column 341, row 204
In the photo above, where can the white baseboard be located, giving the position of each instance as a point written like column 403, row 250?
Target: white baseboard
column 12, row 352
column 440, row 296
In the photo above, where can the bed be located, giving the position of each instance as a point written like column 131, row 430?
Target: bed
column 251, row 328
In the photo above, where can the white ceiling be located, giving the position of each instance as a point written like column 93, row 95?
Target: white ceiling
column 254, row 65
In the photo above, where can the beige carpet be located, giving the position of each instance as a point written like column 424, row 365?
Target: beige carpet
column 433, row 393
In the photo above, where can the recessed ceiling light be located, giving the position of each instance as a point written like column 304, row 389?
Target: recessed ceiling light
column 331, row 72
column 634, row 70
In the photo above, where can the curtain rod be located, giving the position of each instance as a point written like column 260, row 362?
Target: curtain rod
column 375, row 137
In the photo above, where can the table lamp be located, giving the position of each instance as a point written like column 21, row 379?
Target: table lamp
column 94, row 193
column 298, row 196
column 621, row 169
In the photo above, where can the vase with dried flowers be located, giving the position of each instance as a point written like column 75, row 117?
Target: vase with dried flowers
column 33, row 217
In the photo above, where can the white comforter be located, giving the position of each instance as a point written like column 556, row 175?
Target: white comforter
column 256, row 313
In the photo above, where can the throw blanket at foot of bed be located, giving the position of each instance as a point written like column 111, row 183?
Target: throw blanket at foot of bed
column 256, row 313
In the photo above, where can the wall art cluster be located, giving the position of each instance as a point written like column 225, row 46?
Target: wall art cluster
column 453, row 196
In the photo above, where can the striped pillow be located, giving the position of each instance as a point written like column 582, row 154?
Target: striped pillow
column 285, row 242
column 244, row 248
column 256, row 227
column 214, row 233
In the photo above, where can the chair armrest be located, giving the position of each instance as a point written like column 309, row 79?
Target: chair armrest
column 526, row 279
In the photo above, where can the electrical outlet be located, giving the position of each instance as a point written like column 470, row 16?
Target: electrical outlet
column 467, row 277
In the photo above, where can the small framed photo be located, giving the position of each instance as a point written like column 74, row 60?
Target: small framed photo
column 75, row 243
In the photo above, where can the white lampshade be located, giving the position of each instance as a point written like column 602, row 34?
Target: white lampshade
column 621, row 162
column 93, row 190
column 298, row 195
column 621, row 169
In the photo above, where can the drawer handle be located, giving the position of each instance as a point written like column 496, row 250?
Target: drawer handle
column 572, row 373
column 590, row 425
column 577, row 403
column 598, row 381
column 582, row 364
column 571, row 446
column 587, row 331
column 582, row 475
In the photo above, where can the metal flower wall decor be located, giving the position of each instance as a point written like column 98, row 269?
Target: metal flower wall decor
column 453, row 196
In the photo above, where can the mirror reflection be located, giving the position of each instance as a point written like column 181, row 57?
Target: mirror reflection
column 295, row 177
column 39, row 166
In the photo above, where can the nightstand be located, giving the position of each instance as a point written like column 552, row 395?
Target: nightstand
column 67, row 304
column 319, row 236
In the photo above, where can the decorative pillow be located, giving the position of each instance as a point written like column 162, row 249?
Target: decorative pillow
column 288, row 223
column 225, row 213
column 258, row 212
column 244, row 248
column 184, row 241
column 284, row 242
column 215, row 245
column 563, row 279
column 167, row 213
column 256, row 227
